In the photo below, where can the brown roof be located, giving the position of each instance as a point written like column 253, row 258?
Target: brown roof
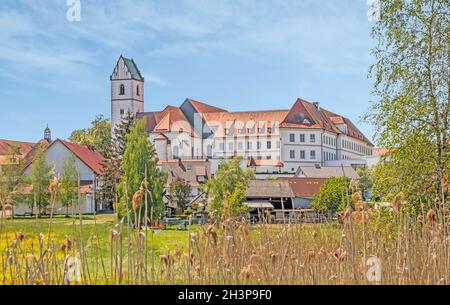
column 328, row 171
column 305, row 187
column 268, row 188
column 187, row 170
column 7, row 145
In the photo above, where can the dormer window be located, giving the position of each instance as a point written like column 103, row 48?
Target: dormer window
column 122, row 89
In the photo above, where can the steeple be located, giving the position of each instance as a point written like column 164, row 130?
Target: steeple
column 48, row 134
column 127, row 90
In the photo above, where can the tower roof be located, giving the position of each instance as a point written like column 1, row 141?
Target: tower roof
column 132, row 68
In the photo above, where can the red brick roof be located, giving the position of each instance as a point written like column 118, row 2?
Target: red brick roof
column 305, row 187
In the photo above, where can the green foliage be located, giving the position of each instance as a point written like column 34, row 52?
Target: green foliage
column 226, row 192
column 39, row 179
column 111, row 166
column 68, row 189
column 333, row 196
column 365, row 181
column 180, row 191
column 98, row 136
column 412, row 112
column 139, row 162
column 10, row 177
column 409, row 170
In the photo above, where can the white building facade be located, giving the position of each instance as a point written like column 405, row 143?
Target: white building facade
column 277, row 141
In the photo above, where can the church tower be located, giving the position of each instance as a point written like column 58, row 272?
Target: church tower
column 127, row 90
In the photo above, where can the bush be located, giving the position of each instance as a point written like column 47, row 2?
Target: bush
column 333, row 196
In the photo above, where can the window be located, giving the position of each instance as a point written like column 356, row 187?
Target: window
column 122, row 89
column 313, row 154
column 240, row 146
column 261, row 130
column 259, row 158
column 269, row 158
column 302, row 154
column 302, row 138
column 292, row 138
column 250, row 130
column 278, row 144
column 292, row 154
column 241, row 130
column 269, row 145
column 269, row 130
column 137, row 90
column 249, row 145
column 176, row 152
column 222, row 146
column 122, row 111
column 258, row 145
column 230, row 146
column 312, row 138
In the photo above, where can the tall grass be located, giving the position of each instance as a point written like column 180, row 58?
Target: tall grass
column 412, row 250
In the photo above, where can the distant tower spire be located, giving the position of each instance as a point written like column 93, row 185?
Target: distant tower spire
column 48, row 134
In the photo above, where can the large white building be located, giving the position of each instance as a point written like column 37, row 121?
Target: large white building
column 269, row 141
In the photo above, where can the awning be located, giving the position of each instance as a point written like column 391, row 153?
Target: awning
column 259, row 205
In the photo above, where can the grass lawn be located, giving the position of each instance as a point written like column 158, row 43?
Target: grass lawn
column 93, row 232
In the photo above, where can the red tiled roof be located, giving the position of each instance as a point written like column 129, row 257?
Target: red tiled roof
column 274, row 163
column 305, row 187
column 171, row 119
column 24, row 147
column 380, row 151
column 204, row 108
column 90, row 157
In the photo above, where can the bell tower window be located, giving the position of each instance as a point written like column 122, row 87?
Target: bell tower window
column 137, row 90
column 122, row 89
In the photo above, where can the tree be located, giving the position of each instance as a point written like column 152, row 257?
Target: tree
column 226, row 192
column 40, row 181
column 364, row 181
column 139, row 163
column 180, row 190
column 10, row 177
column 333, row 195
column 412, row 83
column 68, row 190
column 98, row 136
column 111, row 166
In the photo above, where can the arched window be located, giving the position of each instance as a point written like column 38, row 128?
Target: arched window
column 122, row 89
column 137, row 90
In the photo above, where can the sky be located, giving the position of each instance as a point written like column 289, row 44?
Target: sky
column 234, row 54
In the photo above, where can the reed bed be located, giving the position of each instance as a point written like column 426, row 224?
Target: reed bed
column 410, row 250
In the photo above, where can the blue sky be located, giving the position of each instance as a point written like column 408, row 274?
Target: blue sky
column 235, row 54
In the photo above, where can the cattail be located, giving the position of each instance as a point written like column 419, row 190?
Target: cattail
column 214, row 237
column 431, row 216
column 273, row 257
column 397, row 202
column 311, row 256
column 256, row 259
column 246, row 272
column 137, row 198
column 167, row 260
column 244, row 231
column 354, row 184
column 357, row 197
column 20, row 236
